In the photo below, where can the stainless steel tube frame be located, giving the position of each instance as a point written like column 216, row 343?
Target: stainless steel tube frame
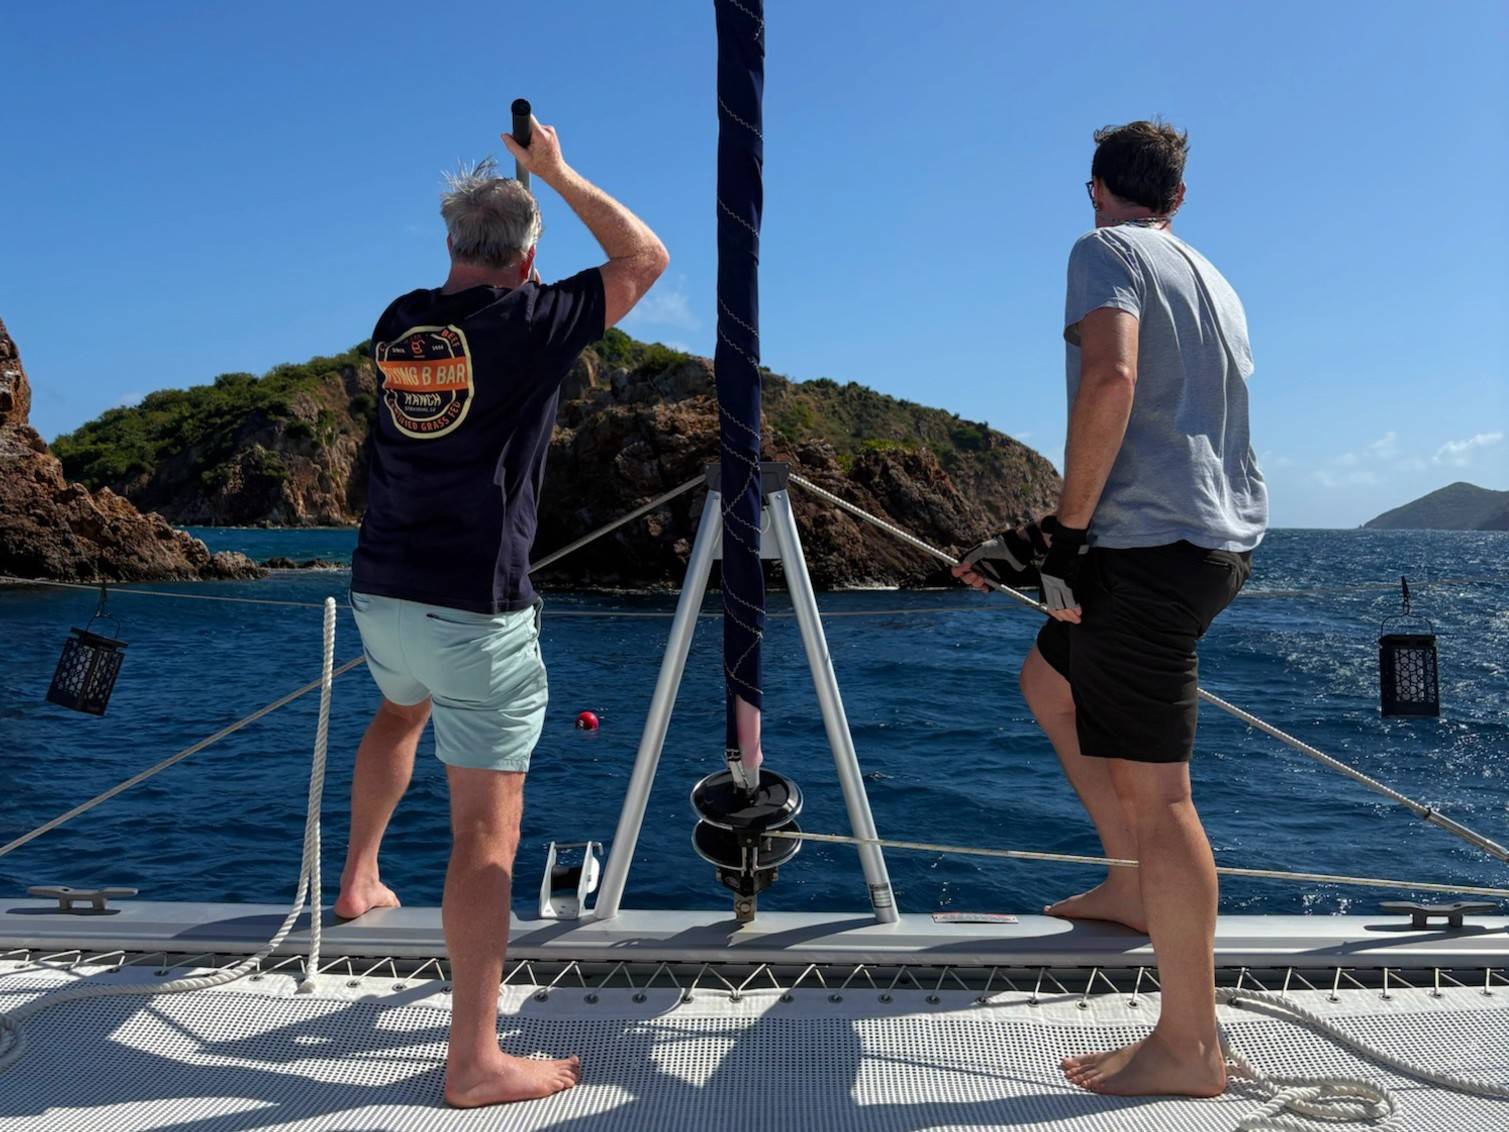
column 804, row 603
column 698, row 569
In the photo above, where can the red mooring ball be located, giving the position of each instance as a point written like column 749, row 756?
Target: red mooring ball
column 586, row 721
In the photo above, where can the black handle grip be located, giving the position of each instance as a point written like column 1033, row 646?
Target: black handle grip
column 522, row 129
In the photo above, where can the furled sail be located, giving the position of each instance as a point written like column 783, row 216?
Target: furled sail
column 741, row 82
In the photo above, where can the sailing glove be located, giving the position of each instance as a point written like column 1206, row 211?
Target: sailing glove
column 1060, row 569
column 1020, row 550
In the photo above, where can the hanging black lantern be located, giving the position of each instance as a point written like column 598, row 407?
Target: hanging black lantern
column 1407, row 679
column 86, row 671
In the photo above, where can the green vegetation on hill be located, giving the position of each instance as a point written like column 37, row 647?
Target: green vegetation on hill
column 130, row 443
column 855, row 419
column 285, row 447
column 851, row 417
column 641, row 358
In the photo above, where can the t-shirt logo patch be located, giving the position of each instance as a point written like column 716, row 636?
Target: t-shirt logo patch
column 426, row 380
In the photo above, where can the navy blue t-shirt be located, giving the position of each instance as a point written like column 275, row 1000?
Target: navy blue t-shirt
column 468, row 385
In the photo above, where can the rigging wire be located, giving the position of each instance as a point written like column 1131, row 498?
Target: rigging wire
column 13, row 1036
column 118, row 589
column 1121, row 863
column 665, row 614
column 1429, row 813
column 191, row 749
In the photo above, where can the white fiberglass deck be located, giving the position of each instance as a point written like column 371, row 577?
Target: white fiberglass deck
column 366, row 1054
column 686, row 1021
column 185, row 928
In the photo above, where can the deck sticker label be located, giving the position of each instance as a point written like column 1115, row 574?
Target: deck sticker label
column 426, row 380
column 973, row 918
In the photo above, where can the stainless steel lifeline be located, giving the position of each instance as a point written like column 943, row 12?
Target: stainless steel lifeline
column 782, row 524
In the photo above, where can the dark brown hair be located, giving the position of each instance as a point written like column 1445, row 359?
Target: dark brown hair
column 1141, row 162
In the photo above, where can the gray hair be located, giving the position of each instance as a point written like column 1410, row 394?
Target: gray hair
column 493, row 221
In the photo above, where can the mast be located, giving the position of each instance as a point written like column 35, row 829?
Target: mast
column 741, row 82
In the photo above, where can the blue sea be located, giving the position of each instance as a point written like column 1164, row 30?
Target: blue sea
column 948, row 749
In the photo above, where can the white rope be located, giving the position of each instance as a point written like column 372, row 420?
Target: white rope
column 1294, row 1104
column 1429, row 813
column 1121, row 863
column 1308, row 1104
column 10, row 1023
column 311, row 863
column 328, row 604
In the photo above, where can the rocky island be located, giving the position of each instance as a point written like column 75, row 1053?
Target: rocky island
column 54, row 529
column 635, row 420
column 1455, row 507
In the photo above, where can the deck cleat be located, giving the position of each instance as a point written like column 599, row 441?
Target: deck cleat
column 734, row 832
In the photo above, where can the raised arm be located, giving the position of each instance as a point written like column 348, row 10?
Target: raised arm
column 636, row 257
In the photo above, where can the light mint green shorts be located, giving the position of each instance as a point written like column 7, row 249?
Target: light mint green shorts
column 482, row 672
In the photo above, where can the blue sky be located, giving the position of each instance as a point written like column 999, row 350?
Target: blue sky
column 192, row 189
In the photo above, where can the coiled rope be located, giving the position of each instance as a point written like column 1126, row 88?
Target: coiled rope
column 309, row 886
column 1304, row 1104
column 1295, row 1104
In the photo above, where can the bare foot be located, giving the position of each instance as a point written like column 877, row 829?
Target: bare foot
column 1116, row 901
column 1151, row 1067
column 510, row 1079
column 361, row 896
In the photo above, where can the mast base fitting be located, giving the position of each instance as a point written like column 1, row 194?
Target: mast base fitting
column 733, row 832
column 719, row 800
column 745, row 863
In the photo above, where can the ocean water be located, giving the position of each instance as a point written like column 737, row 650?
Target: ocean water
column 947, row 746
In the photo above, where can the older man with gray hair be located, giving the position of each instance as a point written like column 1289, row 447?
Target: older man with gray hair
column 470, row 374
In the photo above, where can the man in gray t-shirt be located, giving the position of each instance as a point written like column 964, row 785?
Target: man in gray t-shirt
column 1161, row 508
column 1185, row 469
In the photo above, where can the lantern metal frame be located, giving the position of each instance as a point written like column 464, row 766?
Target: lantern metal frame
column 90, row 663
column 1408, row 669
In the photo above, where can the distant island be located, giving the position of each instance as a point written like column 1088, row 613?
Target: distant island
column 635, row 419
column 1456, row 507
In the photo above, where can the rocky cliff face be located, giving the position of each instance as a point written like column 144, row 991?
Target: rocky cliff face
column 299, row 464
column 50, row 528
column 622, row 437
column 634, row 422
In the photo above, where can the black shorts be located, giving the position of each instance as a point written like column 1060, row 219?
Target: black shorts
column 1131, row 662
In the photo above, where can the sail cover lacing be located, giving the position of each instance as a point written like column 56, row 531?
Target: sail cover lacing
column 736, row 361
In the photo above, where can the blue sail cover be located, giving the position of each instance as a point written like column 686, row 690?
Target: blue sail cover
column 741, row 151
